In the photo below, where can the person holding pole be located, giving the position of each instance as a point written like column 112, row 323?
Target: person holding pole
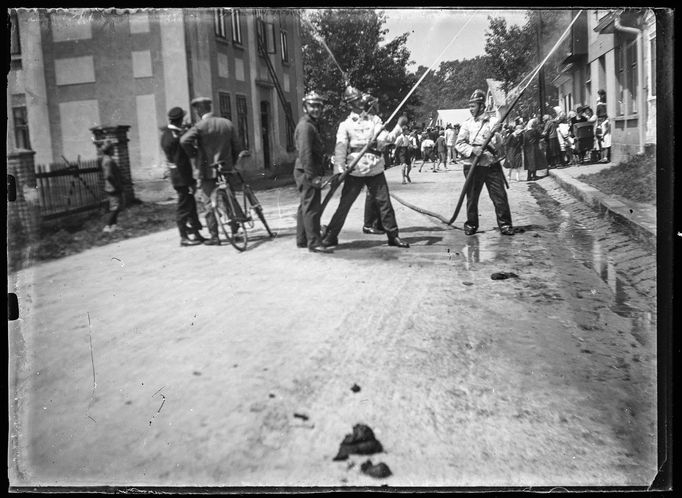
column 353, row 135
column 309, row 174
column 473, row 133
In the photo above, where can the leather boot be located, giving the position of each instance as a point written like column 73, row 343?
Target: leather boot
column 398, row 242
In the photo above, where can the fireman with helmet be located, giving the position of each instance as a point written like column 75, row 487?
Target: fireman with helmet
column 308, row 173
column 353, row 134
column 472, row 135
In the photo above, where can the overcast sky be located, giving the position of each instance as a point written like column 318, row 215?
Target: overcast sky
column 431, row 30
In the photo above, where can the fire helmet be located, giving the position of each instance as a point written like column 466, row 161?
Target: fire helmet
column 477, row 97
column 313, row 97
column 351, row 94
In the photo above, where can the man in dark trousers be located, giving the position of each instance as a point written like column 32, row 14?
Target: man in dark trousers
column 353, row 134
column 473, row 133
column 308, row 173
column 180, row 170
column 213, row 139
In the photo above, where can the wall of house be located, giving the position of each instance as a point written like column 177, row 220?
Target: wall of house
column 80, row 68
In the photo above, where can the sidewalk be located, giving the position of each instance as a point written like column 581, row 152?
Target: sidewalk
column 639, row 218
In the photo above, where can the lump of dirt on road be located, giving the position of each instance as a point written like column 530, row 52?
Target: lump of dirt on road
column 379, row 470
column 503, row 275
column 360, row 442
column 355, row 388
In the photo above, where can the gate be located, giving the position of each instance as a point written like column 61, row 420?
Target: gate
column 69, row 188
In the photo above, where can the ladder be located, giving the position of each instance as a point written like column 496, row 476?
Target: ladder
column 260, row 34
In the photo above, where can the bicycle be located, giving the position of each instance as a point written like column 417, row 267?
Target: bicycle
column 229, row 213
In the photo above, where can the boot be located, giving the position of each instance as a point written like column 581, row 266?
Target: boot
column 397, row 242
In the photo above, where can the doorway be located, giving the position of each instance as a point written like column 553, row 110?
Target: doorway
column 265, row 132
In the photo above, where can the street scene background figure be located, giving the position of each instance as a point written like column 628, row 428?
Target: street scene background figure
column 113, row 184
column 182, row 179
column 513, row 147
column 211, row 140
column 533, row 156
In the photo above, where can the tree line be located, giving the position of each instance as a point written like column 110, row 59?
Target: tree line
column 357, row 40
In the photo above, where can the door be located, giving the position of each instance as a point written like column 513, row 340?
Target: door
column 265, row 131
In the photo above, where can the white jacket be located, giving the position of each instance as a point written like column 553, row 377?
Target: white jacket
column 356, row 132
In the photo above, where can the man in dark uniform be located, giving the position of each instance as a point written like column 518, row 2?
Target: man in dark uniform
column 473, row 133
column 213, row 139
column 352, row 136
column 308, row 173
column 180, row 169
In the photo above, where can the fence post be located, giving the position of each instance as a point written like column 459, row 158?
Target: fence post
column 119, row 134
column 24, row 212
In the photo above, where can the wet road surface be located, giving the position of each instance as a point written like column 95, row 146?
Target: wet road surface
column 143, row 363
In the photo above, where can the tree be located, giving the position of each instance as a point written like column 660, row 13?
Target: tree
column 451, row 85
column 356, row 38
column 508, row 47
column 514, row 51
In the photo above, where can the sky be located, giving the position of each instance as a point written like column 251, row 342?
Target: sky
column 431, row 30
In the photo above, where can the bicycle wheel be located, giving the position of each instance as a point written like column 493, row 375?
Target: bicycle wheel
column 255, row 205
column 229, row 215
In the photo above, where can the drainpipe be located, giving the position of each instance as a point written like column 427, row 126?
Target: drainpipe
column 640, row 65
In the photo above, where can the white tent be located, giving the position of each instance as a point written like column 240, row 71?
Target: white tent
column 451, row 116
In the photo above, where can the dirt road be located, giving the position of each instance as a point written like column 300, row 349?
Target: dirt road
column 146, row 364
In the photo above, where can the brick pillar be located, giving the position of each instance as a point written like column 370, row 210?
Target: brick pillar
column 24, row 212
column 119, row 134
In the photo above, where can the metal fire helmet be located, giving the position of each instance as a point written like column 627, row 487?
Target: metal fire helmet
column 351, row 94
column 313, row 97
column 477, row 97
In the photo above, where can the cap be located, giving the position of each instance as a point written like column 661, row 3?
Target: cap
column 351, row 94
column 176, row 113
column 313, row 97
column 201, row 100
column 478, row 96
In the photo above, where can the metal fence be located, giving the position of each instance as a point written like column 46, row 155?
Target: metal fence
column 69, row 188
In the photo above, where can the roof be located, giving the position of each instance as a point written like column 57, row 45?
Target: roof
column 495, row 89
column 452, row 116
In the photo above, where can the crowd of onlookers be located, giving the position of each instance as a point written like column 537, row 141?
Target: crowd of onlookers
column 531, row 143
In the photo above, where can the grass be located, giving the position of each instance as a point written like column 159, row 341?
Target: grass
column 634, row 179
column 64, row 237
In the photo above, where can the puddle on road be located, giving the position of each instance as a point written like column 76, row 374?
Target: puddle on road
column 586, row 248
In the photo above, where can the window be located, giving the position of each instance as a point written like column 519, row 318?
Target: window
column 21, row 128
column 15, row 44
column 626, row 74
column 266, row 35
column 236, row 27
column 242, row 122
column 219, row 23
column 633, row 81
column 284, row 46
column 225, row 105
column 588, row 85
column 652, row 66
column 290, row 130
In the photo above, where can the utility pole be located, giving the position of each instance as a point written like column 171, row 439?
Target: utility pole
column 541, row 73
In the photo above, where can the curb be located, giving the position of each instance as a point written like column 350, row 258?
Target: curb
column 620, row 212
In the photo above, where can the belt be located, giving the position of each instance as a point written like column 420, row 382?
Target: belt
column 369, row 151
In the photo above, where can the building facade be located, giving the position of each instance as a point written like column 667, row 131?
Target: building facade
column 72, row 70
column 614, row 50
